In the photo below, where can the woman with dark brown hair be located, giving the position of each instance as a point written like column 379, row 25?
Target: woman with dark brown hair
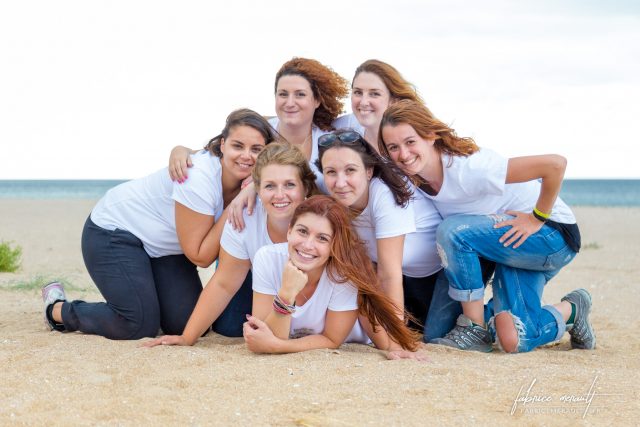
column 144, row 238
column 309, row 291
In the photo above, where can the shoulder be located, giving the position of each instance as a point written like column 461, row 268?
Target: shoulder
column 380, row 194
column 347, row 121
column 273, row 121
column 272, row 253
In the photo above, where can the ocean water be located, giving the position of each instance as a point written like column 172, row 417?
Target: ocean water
column 576, row 192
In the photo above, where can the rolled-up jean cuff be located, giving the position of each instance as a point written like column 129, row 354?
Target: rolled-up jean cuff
column 562, row 326
column 465, row 295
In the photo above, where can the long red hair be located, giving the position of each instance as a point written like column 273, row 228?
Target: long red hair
column 349, row 263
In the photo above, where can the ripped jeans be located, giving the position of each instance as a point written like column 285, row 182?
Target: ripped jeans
column 520, row 274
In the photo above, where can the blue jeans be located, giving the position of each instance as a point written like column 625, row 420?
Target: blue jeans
column 142, row 294
column 520, row 274
column 444, row 310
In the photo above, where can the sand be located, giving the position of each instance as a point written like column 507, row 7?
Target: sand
column 53, row 378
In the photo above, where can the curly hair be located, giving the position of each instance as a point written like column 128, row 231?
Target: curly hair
column 327, row 86
column 350, row 264
column 398, row 87
column 418, row 116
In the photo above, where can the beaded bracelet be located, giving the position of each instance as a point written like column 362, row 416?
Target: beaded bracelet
column 281, row 306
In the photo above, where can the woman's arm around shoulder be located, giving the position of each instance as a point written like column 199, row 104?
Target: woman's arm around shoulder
column 180, row 162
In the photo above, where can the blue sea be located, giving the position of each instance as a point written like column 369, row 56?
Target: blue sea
column 576, row 192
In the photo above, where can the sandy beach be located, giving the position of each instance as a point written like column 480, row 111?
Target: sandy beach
column 75, row 379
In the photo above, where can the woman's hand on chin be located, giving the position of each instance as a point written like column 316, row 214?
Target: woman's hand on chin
column 166, row 340
column 259, row 337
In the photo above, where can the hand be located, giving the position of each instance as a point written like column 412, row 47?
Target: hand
column 522, row 226
column 293, row 280
column 406, row 354
column 166, row 340
column 258, row 336
column 246, row 197
column 179, row 163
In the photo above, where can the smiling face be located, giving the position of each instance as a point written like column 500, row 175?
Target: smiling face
column 239, row 151
column 295, row 103
column 369, row 99
column 281, row 190
column 412, row 153
column 346, row 177
column 310, row 240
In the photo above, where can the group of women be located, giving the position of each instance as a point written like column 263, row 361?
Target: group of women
column 373, row 227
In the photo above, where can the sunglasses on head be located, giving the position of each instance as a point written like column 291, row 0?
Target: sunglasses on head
column 349, row 138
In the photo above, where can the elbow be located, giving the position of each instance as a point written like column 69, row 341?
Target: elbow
column 559, row 164
column 333, row 345
column 200, row 261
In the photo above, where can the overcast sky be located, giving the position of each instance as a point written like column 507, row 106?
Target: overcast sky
column 104, row 89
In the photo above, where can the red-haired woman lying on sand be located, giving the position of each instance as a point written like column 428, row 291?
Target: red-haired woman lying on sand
column 308, row 292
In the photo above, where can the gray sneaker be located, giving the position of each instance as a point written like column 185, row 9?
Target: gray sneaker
column 52, row 293
column 467, row 336
column 582, row 334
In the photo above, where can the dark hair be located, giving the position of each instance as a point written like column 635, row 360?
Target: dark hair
column 420, row 118
column 398, row 87
column 284, row 153
column 242, row 117
column 327, row 86
column 349, row 263
column 387, row 171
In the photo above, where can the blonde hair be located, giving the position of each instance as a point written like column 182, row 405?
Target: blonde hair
column 283, row 153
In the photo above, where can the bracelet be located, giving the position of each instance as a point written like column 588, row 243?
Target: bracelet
column 281, row 306
column 540, row 216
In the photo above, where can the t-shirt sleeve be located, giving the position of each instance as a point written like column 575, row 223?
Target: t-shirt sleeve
column 482, row 173
column 266, row 274
column 233, row 241
column 344, row 297
column 198, row 193
column 390, row 219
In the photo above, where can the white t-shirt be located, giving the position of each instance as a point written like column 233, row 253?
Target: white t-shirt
column 146, row 206
column 348, row 121
column 308, row 319
column 418, row 221
column 244, row 244
column 475, row 185
column 316, row 133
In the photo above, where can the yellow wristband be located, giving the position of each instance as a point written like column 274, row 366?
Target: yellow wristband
column 542, row 214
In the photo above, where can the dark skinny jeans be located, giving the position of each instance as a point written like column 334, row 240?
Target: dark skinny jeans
column 142, row 294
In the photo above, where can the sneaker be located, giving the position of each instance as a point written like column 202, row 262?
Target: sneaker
column 467, row 336
column 582, row 334
column 51, row 294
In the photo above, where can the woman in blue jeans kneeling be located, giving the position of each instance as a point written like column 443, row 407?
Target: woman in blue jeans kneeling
column 494, row 208
column 144, row 238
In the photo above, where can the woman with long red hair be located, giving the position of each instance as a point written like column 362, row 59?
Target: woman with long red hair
column 309, row 291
